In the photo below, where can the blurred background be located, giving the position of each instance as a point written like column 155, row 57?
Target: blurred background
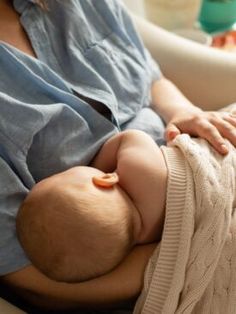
column 210, row 22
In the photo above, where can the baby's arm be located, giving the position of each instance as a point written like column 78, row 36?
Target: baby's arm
column 134, row 141
column 142, row 174
column 106, row 159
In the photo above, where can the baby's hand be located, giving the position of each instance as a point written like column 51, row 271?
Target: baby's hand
column 213, row 126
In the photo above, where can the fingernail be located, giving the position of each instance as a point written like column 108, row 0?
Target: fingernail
column 172, row 135
column 224, row 148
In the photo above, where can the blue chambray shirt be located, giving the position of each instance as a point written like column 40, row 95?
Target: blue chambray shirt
column 83, row 47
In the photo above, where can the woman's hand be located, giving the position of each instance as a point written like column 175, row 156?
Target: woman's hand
column 213, row 126
column 182, row 116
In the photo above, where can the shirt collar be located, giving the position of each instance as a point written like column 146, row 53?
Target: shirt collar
column 21, row 5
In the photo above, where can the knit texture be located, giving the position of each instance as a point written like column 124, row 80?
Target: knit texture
column 193, row 269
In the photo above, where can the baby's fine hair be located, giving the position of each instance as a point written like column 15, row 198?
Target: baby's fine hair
column 73, row 239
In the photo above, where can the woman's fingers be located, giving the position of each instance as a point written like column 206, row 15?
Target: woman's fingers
column 227, row 127
column 171, row 132
column 211, row 133
column 231, row 118
column 213, row 126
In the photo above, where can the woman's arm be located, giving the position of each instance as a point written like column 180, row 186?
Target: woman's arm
column 122, row 284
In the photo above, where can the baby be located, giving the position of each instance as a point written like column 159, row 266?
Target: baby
column 80, row 224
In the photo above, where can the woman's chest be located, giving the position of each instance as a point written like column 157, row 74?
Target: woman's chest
column 17, row 39
column 12, row 32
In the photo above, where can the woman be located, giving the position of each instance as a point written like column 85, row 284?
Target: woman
column 77, row 73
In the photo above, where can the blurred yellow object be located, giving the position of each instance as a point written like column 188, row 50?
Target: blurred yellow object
column 171, row 14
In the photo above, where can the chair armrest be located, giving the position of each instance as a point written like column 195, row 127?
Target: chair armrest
column 7, row 308
column 207, row 76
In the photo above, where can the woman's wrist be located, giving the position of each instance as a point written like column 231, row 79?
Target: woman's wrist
column 168, row 101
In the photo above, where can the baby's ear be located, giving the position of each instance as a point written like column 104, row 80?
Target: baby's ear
column 107, row 180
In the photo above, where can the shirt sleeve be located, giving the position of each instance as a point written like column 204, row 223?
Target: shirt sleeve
column 128, row 27
column 12, row 193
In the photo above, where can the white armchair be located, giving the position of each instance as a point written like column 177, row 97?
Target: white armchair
column 205, row 75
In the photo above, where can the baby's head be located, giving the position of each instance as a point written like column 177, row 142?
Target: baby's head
column 73, row 229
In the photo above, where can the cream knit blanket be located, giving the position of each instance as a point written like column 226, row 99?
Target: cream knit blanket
column 193, row 270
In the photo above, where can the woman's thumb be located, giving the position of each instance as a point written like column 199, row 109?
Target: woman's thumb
column 171, row 132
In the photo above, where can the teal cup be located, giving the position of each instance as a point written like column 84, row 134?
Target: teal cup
column 217, row 15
